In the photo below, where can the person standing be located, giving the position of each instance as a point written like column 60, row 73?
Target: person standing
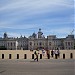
column 52, row 53
column 48, row 54
column 56, row 54
column 43, row 52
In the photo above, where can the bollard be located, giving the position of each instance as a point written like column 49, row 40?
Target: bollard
column 32, row 56
column 25, row 56
column 2, row 56
column 9, row 56
column 17, row 56
column 71, row 55
column 63, row 56
column 40, row 56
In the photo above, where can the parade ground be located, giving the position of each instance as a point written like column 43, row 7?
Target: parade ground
column 42, row 67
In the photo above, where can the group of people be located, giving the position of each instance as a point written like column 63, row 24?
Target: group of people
column 55, row 53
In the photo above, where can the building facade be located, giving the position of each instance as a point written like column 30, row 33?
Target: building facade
column 37, row 41
column 8, row 43
column 51, row 42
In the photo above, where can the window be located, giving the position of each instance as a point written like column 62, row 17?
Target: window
column 14, row 43
column 30, row 43
column 71, row 43
column 8, row 43
column 68, row 43
column 50, row 43
column 11, row 43
column 40, row 43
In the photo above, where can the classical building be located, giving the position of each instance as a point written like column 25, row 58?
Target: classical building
column 37, row 41
column 8, row 43
column 51, row 42
column 22, row 43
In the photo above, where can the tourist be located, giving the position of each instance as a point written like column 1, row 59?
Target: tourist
column 52, row 53
column 43, row 52
column 48, row 54
column 36, row 54
column 56, row 54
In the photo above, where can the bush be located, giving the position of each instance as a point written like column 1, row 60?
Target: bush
column 3, row 48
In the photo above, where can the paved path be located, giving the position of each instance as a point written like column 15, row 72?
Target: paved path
column 43, row 67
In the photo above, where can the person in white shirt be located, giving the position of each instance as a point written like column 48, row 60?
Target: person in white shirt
column 43, row 52
column 56, row 54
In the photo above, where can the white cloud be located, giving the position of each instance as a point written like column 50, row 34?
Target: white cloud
column 16, row 10
column 25, row 26
column 29, row 5
column 16, row 34
column 58, row 30
column 12, row 34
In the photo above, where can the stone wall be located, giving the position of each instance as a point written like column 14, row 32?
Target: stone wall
column 27, row 54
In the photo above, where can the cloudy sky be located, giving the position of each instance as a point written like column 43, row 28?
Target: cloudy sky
column 23, row 17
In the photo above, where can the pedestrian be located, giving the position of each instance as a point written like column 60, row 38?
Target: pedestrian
column 52, row 53
column 56, row 54
column 48, row 54
column 36, row 54
column 43, row 52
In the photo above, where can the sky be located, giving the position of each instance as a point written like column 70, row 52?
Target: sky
column 24, row 17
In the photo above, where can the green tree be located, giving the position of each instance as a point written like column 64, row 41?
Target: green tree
column 3, row 48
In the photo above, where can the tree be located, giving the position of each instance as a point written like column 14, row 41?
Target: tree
column 3, row 48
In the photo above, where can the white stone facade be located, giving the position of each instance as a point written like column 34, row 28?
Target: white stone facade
column 9, row 44
column 37, row 41
column 51, row 42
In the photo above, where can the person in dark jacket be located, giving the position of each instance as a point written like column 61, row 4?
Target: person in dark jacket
column 52, row 53
column 48, row 54
column 36, row 54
